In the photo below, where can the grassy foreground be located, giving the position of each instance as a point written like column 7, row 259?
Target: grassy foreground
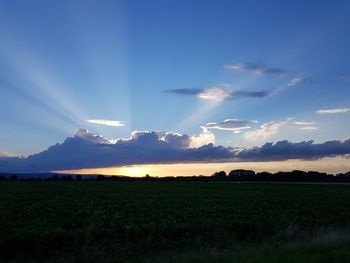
column 173, row 222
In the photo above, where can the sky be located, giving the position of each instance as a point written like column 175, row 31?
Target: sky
column 173, row 82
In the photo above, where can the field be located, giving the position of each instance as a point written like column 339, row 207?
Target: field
column 173, row 222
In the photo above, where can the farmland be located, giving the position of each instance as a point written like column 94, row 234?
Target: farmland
column 173, row 222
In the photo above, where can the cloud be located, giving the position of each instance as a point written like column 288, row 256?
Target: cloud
column 303, row 123
column 85, row 135
column 285, row 150
column 257, row 69
column 333, row 111
column 228, row 125
column 306, row 125
column 293, row 82
column 309, row 128
column 215, row 94
column 6, row 154
column 204, row 138
column 299, row 80
column 224, row 93
column 87, row 150
column 266, row 130
column 219, row 93
column 107, row 122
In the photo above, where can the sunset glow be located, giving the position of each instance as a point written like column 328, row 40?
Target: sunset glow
column 328, row 165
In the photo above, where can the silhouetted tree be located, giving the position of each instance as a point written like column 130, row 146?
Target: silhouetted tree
column 219, row 175
column 100, row 177
column 264, row 175
column 241, row 172
column 14, row 177
column 78, row 177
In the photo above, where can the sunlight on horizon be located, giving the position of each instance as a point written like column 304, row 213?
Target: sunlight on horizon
column 328, row 165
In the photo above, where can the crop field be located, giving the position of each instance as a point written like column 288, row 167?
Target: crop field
column 173, row 222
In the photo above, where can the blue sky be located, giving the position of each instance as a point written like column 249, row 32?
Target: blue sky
column 63, row 63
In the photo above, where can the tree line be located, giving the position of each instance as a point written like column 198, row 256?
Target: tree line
column 237, row 175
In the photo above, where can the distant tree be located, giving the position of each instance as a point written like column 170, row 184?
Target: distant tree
column 14, row 177
column 264, row 174
column 2, row 178
column 78, row 177
column 241, row 172
column 55, row 177
column 219, row 175
column 100, row 177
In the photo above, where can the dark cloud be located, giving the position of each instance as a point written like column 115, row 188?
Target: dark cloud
column 86, row 150
column 251, row 94
column 224, row 93
column 284, row 150
column 228, row 94
column 189, row 92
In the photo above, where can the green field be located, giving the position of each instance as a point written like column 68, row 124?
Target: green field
column 173, row 222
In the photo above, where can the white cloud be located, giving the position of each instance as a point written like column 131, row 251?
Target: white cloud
column 296, row 81
column 228, row 125
column 201, row 139
column 333, row 111
column 266, row 131
column 6, row 154
column 293, row 82
column 107, row 122
column 309, row 128
column 215, row 94
column 86, row 135
column 303, row 123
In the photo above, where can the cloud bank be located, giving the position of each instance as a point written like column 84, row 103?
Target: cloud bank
column 87, row 150
column 284, row 150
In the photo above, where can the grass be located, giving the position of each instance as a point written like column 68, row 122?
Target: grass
column 173, row 222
